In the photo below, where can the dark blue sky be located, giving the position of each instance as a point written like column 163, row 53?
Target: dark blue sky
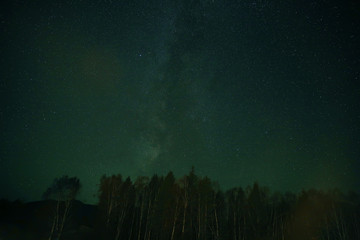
column 242, row 90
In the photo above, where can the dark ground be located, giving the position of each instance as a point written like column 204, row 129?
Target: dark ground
column 33, row 220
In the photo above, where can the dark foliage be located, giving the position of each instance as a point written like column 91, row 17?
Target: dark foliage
column 63, row 189
column 193, row 207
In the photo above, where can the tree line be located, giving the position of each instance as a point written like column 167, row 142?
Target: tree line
column 194, row 207
column 190, row 207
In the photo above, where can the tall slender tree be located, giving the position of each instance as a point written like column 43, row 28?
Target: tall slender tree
column 63, row 190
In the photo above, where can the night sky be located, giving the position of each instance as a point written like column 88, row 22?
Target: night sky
column 242, row 90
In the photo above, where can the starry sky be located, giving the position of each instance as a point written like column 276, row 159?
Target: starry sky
column 243, row 90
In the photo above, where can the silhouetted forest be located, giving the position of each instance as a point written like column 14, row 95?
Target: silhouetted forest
column 190, row 207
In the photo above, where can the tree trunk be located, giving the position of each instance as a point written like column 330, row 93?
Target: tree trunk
column 110, row 204
column 239, row 224
column 217, row 223
column 205, row 222
column 244, row 229
column 147, row 217
column 184, row 217
column 199, row 219
column 234, row 222
column 56, row 220
column 119, row 224
column 131, row 226
column 141, row 216
column 175, row 218
column 66, row 212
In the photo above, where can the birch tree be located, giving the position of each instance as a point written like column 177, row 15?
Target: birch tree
column 63, row 190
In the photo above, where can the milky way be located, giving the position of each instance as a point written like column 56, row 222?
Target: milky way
column 243, row 91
